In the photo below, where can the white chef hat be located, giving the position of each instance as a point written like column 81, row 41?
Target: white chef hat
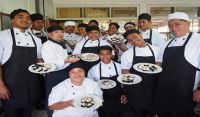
column 178, row 15
column 69, row 23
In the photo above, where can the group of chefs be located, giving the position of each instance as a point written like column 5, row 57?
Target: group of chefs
column 172, row 93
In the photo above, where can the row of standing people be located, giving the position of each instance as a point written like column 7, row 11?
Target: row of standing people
column 22, row 55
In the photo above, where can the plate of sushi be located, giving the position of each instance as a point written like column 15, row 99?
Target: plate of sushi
column 106, row 84
column 41, row 68
column 129, row 79
column 73, row 56
column 116, row 38
column 88, row 102
column 89, row 57
column 72, row 42
column 147, row 68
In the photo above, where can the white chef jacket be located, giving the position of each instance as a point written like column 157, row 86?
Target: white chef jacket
column 192, row 52
column 22, row 39
column 90, row 43
column 67, row 91
column 107, row 70
column 53, row 53
column 157, row 38
column 71, row 36
column 127, row 56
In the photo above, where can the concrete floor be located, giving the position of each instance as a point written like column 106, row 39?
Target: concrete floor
column 36, row 113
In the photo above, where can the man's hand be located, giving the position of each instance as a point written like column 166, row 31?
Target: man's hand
column 72, row 60
column 4, row 93
column 196, row 95
column 123, row 99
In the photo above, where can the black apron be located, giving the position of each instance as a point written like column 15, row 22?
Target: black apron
column 23, row 84
column 95, row 49
column 174, row 90
column 150, row 38
column 112, row 106
column 141, row 95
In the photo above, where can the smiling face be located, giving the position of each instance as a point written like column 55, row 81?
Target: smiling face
column 82, row 31
column 136, row 40
column 94, row 34
column 179, row 27
column 56, row 35
column 105, row 56
column 112, row 30
column 77, row 76
column 37, row 25
column 22, row 21
column 144, row 24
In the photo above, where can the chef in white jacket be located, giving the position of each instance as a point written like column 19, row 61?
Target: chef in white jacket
column 62, row 95
column 54, row 52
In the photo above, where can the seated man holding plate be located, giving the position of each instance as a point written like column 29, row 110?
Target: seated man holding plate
column 62, row 98
column 139, row 96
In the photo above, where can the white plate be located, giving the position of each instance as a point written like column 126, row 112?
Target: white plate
column 147, row 68
column 89, row 57
column 97, row 102
column 137, row 79
column 116, row 39
column 107, row 84
column 42, row 69
column 73, row 56
column 72, row 42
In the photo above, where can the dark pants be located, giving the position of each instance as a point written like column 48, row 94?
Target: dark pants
column 51, row 80
column 141, row 112
column 175, row 114
column 19, row 112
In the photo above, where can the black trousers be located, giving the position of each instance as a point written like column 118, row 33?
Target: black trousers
column 175, row 114
column 19, row 112
column 141, row 112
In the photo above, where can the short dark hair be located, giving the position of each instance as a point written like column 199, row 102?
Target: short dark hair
column 115, row 24
column 15, row 12
column 83, row 25
column 90, row 28
column 36, row 16
column 95, row 21
column 53, row 28
column 130, row 32
column 145, row 16
column 105, row 48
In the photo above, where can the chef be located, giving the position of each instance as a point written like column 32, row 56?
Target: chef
column 90, row 45
column 37, row 30
column 139, row 96
column 177, row 89
column 19, row 49
column 37, row 26
column 82, row 31
column 114, row 99
column 62, row 95
column 53, row 52
column 69, row 34
column 129, row 25
column 150, row 36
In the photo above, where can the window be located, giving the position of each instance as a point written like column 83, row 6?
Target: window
column 124, row 12
column 161, row 11
column 96, row 12
column 68, row 12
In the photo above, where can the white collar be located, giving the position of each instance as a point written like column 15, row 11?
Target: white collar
column 109, row 64
column 17, row 30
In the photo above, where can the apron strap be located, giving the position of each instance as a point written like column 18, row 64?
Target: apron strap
column 114, row 67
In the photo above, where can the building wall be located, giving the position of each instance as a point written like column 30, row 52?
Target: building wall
column 7, row 6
